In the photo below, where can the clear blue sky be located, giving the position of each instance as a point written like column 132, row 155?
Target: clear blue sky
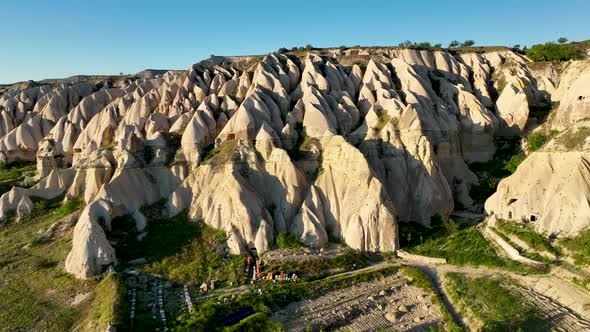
column 51, row 39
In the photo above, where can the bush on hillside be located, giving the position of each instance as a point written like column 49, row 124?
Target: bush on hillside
column 536, row 140
column 552, row 52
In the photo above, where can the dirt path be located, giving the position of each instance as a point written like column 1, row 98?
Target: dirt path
column 566, row 306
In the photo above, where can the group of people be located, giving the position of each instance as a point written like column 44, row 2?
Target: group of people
column 252, row 267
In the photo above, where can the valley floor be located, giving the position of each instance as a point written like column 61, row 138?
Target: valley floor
column 339, row 290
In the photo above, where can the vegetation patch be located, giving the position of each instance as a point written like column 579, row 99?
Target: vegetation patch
column 35, row 292
column 413, row 234
column 494, row 305
column 506, row 159
column 383, row 118
column 418, row 279
column 469, row 247
column 579, row 246
column 536, row 140
column 109, row 304
column 317, row 268
column 16, row 173
column 220, row 156
column 286, row 240
column 553, row 52
column 176, row 248
column 535, row 240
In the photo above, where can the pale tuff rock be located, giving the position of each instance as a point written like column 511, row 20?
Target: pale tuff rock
column 513, row 108
column 481, row 76
column 298, row 139
column 21, row 143
column 547, row 189
column 410, row 170
column 91, row 251
column 575, row 101
column 333, row 204
column 251, row 199
column 478, row 126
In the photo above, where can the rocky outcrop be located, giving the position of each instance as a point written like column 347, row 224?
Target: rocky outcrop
column 262, row 145
column 332, row 206
column 549, row 187
column 573, row 96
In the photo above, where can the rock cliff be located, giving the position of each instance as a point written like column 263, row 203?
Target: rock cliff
column 325, row 145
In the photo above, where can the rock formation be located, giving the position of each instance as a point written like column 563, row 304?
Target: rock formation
column 302, row 143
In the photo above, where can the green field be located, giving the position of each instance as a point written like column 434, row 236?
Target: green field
column 37, row 294
column 494, row 305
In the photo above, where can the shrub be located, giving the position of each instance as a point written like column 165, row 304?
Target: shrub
column 308, row 47
column 513, row 163
column 468, row 43
column 552, row 52
column 536, row 140
column 287, row 240
column 282, row 50
column 562, row 40
column 454, row 44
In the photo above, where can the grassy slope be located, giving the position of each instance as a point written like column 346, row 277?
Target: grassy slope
column 580, row 247
column 535, row 240
column 35, row 290
column 11, row 174
column 469, row 247
column 179, row 250
column 495, row 306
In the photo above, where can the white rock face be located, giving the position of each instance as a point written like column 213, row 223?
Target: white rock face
column 333, row 205
column 257, row 146
column 513, row 108
column 91, row 251
column 549, row 187
column 574, row 96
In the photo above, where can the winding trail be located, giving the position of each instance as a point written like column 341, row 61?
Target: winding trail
column 566, row 306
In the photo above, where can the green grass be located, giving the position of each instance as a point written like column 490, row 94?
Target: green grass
column 420, row 280
column 580, row 247
column 535, row 240
column 535, row 141
column 109, row 304
column 469, row 247
column 222, row 155
column 494, row 305
column 35, row 291
column 523, row 252
column 176, row 248
column 288, row 241
column 15, row 170
column 413, row 234
column 13, row 173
